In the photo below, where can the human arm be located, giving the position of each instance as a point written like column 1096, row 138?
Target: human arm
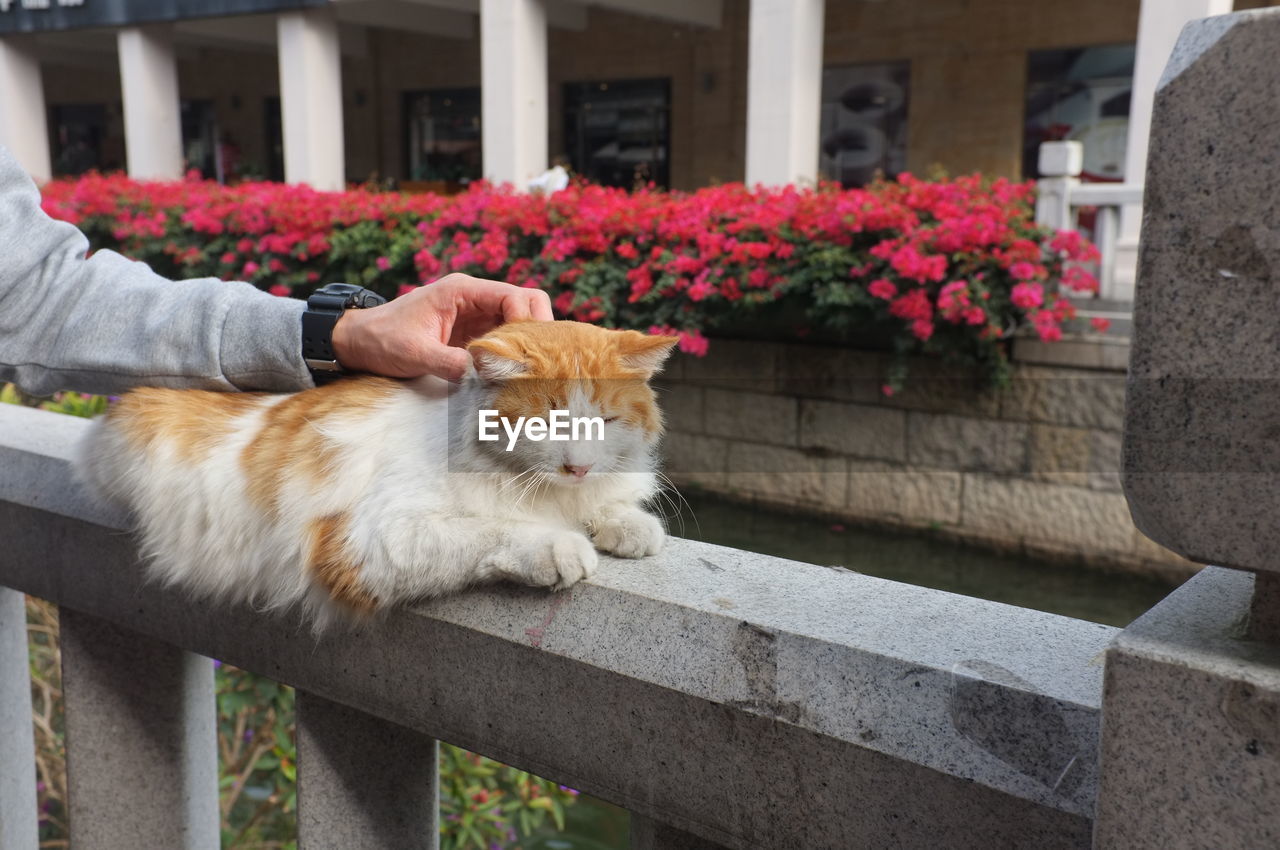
column 105, row 323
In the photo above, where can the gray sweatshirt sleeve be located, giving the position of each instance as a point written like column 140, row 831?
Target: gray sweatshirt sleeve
column 105, row 324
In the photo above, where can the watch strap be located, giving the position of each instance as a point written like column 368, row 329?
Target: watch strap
column 325, row 306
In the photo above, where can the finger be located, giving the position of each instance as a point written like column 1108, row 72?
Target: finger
column 539, row 305
column 445, row 361
column 506, row 300
column 525, row 305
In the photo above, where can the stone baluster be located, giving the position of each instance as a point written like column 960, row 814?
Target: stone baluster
column 363, row 782
column 1190, row 753
column 18, row 826
column 142, row 758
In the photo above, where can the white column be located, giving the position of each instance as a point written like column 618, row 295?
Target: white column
column 152, row 115
column 1159, row 22
column 784, row 91
column 23, row 127
column 311, row 98
column 513, row 89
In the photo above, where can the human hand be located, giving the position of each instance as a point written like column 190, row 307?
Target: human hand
column 422, row 332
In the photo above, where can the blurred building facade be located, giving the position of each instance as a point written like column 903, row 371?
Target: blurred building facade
column 436, row 93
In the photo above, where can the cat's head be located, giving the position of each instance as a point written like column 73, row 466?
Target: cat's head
column 592, row 381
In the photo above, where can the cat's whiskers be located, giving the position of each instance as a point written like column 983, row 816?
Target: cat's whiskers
column 511, row 482
column 533, row 484
column 666, row 482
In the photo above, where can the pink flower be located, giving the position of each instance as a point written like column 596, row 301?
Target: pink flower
column 250, row 269
column 1024, row 270
column 280, row 289
column 405, row 289
column 922, row 328
column 1027, row 295
column 1100, row 324
column 700, row 289
column 914, row 305
column 1046, row 324
column 382, row 263
column 564, row 302
column 1079, row 280
column 882, row 288
column 693, row 342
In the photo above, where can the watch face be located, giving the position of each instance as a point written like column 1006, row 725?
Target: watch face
column 340, row 289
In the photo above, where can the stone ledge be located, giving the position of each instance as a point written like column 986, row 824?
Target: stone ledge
column 897, row 696
column 1082, row 351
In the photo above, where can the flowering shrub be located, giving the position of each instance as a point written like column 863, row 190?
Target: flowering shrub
column 949, row 266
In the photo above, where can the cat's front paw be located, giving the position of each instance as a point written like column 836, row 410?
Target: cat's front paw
column 629, row 534
column 557, row 559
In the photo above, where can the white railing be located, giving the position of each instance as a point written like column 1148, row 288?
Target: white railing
column 727, row 699
column 1061, row 196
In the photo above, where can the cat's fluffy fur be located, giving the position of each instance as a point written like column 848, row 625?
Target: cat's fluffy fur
column 356, row 495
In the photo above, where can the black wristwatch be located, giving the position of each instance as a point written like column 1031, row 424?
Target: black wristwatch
column 325, row 306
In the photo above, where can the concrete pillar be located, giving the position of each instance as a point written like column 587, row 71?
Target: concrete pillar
column 142, row 756
column 152, row 114
column 1159, row 22
column 23, row 125
column 363, row 782
column 19, row 826
column 784, row 91
column 513, row 92
column 311, row 98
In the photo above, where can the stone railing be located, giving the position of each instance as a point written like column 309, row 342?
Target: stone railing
column 724, row 698
column 735, row 700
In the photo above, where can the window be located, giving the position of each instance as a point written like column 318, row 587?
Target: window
column 83, row 139
column 442, row 135
column 618, row 132
column 864, row 122
column 1080, row 94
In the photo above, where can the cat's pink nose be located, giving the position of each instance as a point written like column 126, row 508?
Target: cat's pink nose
column 576, row 471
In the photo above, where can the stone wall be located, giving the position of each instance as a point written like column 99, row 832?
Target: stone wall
column 1032, row 468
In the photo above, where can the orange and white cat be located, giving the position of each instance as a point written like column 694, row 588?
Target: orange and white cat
column 370, row 491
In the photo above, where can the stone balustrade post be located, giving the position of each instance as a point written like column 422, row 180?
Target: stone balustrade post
column 364, row 782
column 142, row 758
column 18, row 825
column 1190, row 752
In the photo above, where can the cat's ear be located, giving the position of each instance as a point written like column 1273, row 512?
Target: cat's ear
column 495, row 360
column 644, row 353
